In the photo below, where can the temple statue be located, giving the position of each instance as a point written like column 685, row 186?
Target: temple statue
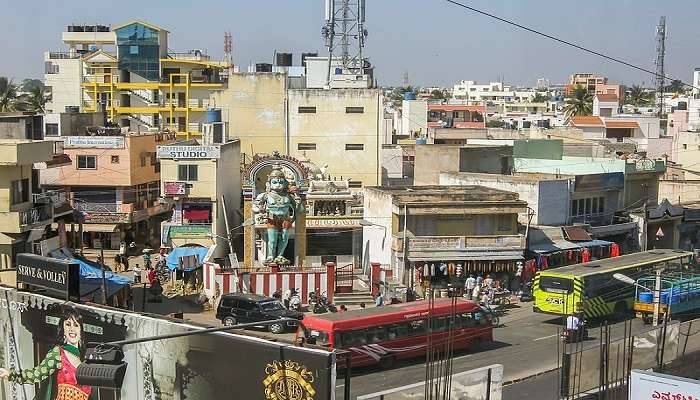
column 277, row 207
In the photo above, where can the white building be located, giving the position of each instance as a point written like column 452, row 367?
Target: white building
column 496, row 92
column 414, row 117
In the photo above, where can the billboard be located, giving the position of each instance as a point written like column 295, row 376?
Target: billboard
column 94, row 142
column 210, row 366
column 59, row 276
column 174, row 151
column 652, row 385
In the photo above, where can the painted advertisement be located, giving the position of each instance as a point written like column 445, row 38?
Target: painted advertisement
column 203, row 152
column 94, row 142
column 45, row 341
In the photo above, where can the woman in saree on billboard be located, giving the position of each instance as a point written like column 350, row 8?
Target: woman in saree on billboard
column 57, row 372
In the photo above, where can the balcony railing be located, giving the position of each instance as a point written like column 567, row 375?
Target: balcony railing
column 462, row 242
column 98, row 207
column 36, row 215
column 56, row 197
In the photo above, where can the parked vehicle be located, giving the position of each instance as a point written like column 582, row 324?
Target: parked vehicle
column 319, row 303
column 384, row 335
column 241, row 308
column 575, row 335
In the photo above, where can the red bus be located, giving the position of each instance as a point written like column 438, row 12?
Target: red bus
column 383, row 335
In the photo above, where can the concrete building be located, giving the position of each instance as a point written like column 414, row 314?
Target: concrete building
column 21, row 125
column 199, row 182
column 686, row 152
column 414, row 118
column 58, row 125
column 587, row 80
column 129, row 72
column 494, row 92
column 606, row 105
column 641, row 130
column 431, row 160
column 23, row 221
column 613, row 90
column 555, row 200
column 470, row 226
column 113, row 182
column 317, row 69
column 456, row 116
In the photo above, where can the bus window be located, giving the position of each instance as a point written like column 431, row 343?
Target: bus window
column 416, row 328
column 468, row 320
column 343, row 340
column 439, row 324
column 376, row 335
column 553, row 284
column 397, row 331
column 358, row 337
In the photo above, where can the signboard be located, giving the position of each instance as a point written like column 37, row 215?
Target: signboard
column 193, row 367
column 201, row 152
column 53, row 274
column 106, row 218
column 174, row 188
column 613, row 180
column 189, row 231
column 94, row 142
column 652, row 385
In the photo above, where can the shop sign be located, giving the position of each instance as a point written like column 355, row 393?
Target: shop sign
column 174, row 188
column 333, row 223
column 94, row 142
column 652, row 385
column 203, row 152
column 189, row 231
column 106, row 218
column 435, row 243
column 49, row 273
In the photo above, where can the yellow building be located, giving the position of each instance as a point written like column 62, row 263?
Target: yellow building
column 140, row 84
column 197, row 180
column 21, row 221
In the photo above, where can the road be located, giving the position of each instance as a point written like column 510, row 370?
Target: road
column 527, row 344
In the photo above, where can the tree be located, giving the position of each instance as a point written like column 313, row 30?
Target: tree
column 8, row 94
column 495, row 123
column 440, row 94
column 579, row 102
column 34, row 100
column 397, row 94
column 676, row 86
column 639, row 97
column 540, row 97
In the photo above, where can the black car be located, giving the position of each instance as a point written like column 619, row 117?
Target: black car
column 242, row 308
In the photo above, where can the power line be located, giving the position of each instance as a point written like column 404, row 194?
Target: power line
column 566, row 42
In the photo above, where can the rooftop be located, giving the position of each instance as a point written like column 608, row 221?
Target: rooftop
column 621, row 124
column 446, row 194
column 586, row 120
column 519, row 177
column 607, row 97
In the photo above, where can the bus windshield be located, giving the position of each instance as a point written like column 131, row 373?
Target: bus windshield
column 553, row 284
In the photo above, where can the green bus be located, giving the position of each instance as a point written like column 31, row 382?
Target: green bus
column 590, row 288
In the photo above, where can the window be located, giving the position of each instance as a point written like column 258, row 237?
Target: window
column 19, row 192
column 601, row 205
column 187, row 172
column 50, row 68
column 51, row 129
column 307, row 110
column 115, row 159
column 143, row 161
column 416, row 328
column 134, row 50
column 685, row 146
column 504, row 222
column 306, row 146
column 247, row 305
column 354, row 110
column 229, row 303
column 355, row 184
column 354, row 146
column 87, row 162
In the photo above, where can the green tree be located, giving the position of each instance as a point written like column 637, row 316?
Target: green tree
column 440, row 94
column 541, row 97
column 579, row 102
column 495, row 123
column 8, row 94
column 397, row 94
column 34, row 100
column 639, row 97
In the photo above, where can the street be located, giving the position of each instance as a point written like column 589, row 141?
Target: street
column 527, row 344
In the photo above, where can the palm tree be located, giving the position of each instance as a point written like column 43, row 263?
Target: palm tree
column 639, row 97
column 8, row 94
column 579, row 102
column 540, row 97
column 34, row 100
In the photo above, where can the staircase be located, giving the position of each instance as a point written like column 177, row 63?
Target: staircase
column 360, row 292
column 140, row 120
column 145, row 95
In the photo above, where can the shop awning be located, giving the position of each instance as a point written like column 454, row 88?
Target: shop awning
column 576, row 233
column 559, row 245
column 100, row 227
column 465, row 256
column 174, row 257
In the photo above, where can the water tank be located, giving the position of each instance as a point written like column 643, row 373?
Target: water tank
column 339, row 71
column 212, row 115
column 304, row 56
column 283, row 59
column 526, row 124
column 682, row 105
column 409, row 96
column 263, row 67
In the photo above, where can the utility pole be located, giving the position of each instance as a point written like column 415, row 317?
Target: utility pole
column 104, row 277
column 660, row 67
column 657, row 296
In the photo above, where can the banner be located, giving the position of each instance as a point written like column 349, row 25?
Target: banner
column 222, row 366
column 94, row 142
column 188, row 152
column 59, row 276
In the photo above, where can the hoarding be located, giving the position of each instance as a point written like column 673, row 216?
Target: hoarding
column 94, row 142
column 174, row 188
column 652, row 385
column 188, row 152
column 221, row 365
column 59, row 276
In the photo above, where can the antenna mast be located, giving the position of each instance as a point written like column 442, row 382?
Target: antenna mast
column 345, row 34
column 659, row 79
column 228, row 49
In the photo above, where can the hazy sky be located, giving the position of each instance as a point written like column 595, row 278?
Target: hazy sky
column 435, row 42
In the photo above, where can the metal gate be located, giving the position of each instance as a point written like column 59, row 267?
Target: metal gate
column 344, row 277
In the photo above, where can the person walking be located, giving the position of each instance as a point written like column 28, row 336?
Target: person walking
column 469, row 286
column 137, row 274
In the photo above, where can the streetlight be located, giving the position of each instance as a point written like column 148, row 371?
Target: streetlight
column 657, row 290
column 364, row 222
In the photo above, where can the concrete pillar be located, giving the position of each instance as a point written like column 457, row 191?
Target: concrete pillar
column 330, row 280
column 248, row 236
column 300, row 239
column 375, row 277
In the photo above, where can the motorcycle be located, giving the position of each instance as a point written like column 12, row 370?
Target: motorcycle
column 575, row 335
column 526, row 294
column 319, row 303
column 295, row 301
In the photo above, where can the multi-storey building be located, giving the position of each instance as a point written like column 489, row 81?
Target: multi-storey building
column 128, row 72
column 587, row 80
column 495, row 92
column 113, row 181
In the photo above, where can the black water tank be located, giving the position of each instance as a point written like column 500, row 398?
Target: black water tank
column 283, row 59
column 263, row 67
column 682, row 105
column 304, row 56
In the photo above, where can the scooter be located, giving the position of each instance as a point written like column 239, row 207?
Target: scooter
column 319, row 304
column 575, row 335
column 526, row 294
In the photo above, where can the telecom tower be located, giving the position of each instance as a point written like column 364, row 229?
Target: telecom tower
column 659, row 79
column 344, row 33
column 228, row 49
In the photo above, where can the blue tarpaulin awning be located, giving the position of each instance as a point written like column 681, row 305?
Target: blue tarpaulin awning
column 173, row 258
column 91, row 280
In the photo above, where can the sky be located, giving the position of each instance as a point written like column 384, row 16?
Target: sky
column 436, row 43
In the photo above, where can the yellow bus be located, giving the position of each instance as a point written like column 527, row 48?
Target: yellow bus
column 590, row 288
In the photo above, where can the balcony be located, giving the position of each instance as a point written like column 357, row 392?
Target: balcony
column 57, row 198
column 22, row 221
column 119, row 213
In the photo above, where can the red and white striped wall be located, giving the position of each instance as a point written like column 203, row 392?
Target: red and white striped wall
column 266, row 283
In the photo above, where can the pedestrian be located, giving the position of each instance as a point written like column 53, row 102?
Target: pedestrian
column 488, row 282
column 476, row 292
column 479, row 279
column 151, row 275
column 137, row 274
column 285, row 298
column 362, row 306
column 342, row 308
column 125, row 261
column 117, row 263
column 379, row 300
column 469, row 286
